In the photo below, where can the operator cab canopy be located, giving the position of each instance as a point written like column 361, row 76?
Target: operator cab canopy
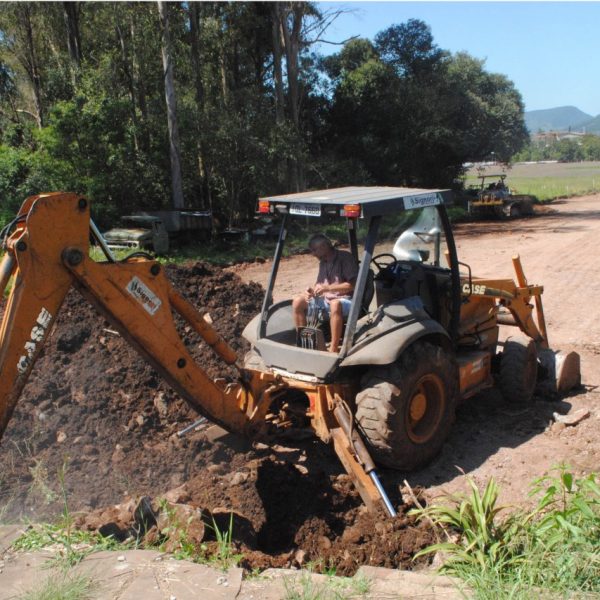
column 409, row 226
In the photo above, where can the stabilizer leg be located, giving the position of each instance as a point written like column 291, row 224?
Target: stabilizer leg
column 357, row 461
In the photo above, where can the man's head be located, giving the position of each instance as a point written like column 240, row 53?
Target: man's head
column 320, row 245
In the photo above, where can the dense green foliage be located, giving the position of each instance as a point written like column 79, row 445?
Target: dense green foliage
column 82, row 105
column 554, row 547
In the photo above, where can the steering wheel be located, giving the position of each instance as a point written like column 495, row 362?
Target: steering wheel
column 381, row 263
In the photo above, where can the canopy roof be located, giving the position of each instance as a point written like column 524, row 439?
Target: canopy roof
column 373, row 200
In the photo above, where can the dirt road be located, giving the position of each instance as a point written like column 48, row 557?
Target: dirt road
column 559, row 248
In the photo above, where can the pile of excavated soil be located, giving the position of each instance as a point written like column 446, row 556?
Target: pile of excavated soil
column 94, row 415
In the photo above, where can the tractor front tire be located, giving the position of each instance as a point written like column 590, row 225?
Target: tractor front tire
column 406, row 410
column 518, row 370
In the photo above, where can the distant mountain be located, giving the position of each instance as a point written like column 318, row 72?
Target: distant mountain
column 558, row 119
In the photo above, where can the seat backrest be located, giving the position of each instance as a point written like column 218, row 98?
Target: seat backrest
column 368, row 293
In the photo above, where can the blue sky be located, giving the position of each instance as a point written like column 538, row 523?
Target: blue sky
column 550, row 50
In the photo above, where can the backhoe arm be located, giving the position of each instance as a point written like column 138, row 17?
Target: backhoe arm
column 40, row 284
column 47, row 253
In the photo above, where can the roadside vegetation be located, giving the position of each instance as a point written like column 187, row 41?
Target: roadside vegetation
column 521, row 554
column 586, row 148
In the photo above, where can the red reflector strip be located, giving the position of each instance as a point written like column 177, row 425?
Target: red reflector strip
column 263, row 206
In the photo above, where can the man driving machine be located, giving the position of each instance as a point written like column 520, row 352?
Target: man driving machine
column 333, row 289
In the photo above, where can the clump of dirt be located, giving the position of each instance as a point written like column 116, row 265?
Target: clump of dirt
column 283, row 515
column 95, row 411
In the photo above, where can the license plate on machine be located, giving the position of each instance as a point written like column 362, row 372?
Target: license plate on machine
column 307, row 210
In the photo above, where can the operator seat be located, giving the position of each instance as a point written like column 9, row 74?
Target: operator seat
column 367, row 294
column 407, row 279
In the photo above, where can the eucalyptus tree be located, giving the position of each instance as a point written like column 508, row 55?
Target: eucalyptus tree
column 171, row 101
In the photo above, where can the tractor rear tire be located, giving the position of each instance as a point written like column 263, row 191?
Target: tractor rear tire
column 406, row 410
column 518, row 370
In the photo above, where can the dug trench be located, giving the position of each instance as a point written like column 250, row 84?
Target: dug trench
column 95, row 431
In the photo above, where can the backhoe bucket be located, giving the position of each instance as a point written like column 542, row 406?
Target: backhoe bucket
column 561, row 371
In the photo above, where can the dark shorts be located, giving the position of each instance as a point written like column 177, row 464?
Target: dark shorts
column 322, row 304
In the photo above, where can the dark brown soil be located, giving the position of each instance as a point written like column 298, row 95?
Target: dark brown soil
column 96, row 411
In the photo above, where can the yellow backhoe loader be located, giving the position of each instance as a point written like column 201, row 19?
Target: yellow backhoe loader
column 420, row 337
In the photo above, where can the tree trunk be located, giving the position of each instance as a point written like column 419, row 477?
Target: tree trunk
column 292, row 51
column 129, row 75
column 278, row 43
column 138, row 84
column 71, row 12
column 30, row 62
column 171, row 100
column 194, row 17
column 277, row 59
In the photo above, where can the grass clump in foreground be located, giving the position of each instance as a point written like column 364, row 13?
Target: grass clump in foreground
column 72, row 545
column 555, row 547
column 305, row 587
column 178, row 540
column 62, row 586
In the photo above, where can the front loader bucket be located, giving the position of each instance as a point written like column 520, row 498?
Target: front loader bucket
column 561, row 371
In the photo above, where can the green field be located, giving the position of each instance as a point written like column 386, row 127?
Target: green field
column 547, row 181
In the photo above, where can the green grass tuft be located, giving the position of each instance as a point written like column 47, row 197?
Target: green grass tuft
column 554, row 547
column 62, row 586
column 304, row 587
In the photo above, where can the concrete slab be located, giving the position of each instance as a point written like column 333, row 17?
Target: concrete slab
column 188, row 580
column 117, row 573
column 426, row 585
column 369, row 583
column 21, row 572
column 129, row 575
column 274, row 584
column 149, row 575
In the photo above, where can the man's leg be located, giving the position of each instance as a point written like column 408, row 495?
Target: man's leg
column 336, row 319
column 299, row 308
